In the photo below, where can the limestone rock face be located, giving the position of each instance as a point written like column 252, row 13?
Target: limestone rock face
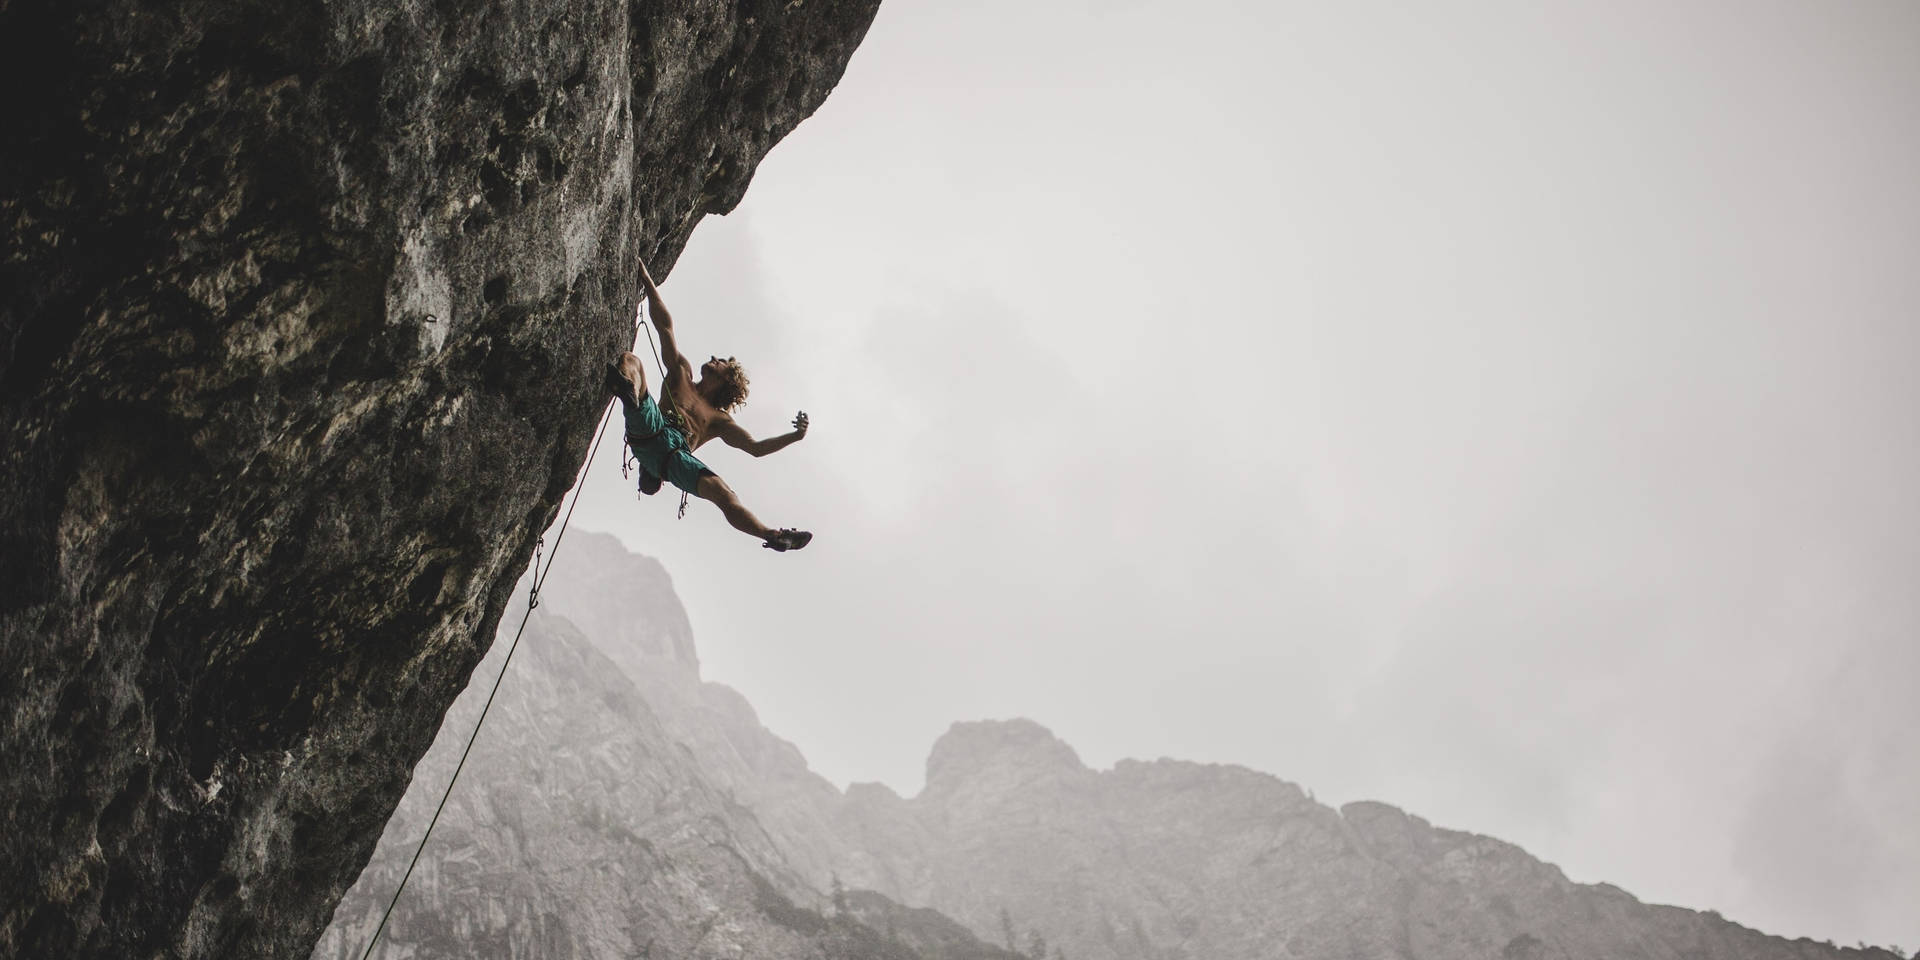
column 302, row 309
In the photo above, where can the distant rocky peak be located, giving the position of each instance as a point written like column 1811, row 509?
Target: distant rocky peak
column 644, row 628
column 1417, row 847
column 1002, row 753
column 871, row 794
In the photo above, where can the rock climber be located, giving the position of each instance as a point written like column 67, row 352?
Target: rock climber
column 663, row 436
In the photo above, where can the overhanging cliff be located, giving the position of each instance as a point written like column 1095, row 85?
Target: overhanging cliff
column 301, row 313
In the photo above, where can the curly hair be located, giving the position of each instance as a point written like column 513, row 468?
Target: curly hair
column 732, row 389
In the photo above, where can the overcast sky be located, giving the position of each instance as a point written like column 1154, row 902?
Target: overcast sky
column 1503, row 410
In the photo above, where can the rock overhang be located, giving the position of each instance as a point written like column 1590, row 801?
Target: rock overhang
column 302, row 308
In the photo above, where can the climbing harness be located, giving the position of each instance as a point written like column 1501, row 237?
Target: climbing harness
column 533, row 602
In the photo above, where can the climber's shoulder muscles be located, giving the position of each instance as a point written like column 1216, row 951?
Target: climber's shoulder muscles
column 679, row 372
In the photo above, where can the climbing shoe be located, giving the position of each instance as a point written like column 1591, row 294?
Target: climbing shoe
column 649, row 484
column 787, row 539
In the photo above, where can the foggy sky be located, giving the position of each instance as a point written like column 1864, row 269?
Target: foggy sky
column 1506, row 412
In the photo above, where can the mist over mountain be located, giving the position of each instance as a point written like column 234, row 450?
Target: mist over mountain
column 616, row 800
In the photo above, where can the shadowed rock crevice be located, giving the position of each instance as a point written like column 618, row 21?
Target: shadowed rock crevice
column 302, row 309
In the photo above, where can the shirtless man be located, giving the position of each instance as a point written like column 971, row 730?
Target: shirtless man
column 696, row 411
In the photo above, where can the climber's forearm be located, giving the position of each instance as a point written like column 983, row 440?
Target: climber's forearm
column 775, row 444
column 655, row 309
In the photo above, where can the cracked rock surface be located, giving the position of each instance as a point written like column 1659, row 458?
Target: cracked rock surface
column 302, row 308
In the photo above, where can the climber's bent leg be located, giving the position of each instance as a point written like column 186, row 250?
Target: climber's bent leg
column 714, row 489
column 627, row 380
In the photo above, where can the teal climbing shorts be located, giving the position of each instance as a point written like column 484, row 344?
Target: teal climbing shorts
column 660, row 447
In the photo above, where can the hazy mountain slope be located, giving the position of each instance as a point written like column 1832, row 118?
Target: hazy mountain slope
column 625, row 604
column 593, row 823
column 302, row 316
column 1158, row 860
column 581, row 830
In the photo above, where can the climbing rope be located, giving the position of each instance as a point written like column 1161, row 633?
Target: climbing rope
column 640, row 319
column 658, row 364
column 533, row 601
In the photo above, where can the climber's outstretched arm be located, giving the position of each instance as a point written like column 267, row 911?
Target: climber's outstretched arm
column 734, row 435
column 662, row 321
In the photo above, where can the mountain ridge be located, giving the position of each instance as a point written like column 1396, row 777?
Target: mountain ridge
column 581, row 829
column 1150, row 859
